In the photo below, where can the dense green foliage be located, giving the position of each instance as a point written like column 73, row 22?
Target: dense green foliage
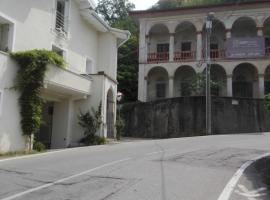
column 267, row 101
column 120, row 125
column 38, row 146
column 90, row 122
column 183, row 3
column 115, row 12
column 198, row 84
column 29, row 81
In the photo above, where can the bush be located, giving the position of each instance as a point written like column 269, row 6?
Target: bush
column 267, row 101
column 91, row 140
column 38, row 146
column 120, row 125
column 91, row 123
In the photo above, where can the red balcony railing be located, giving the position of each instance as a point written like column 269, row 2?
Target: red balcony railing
column 158, row 57
column 267, row 51
column 184, row 55
column 216, row 54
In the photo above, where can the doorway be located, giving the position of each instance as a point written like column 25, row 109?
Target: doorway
column 45, row 132
column 110, row 114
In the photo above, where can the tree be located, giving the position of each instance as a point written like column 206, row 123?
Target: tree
column 114, row 10
column 198, row 84
column 182, row 3
column 116, row 13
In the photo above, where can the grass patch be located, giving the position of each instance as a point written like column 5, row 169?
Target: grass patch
column 18, row 153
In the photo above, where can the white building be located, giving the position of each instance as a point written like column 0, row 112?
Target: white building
column 172, row 50
column 89, row 46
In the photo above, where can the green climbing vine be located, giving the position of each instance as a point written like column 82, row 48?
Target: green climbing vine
column 29, row 81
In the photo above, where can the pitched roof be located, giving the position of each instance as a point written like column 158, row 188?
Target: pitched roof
column 202, row 8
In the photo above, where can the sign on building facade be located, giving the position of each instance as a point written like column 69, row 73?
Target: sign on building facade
column 245, row 47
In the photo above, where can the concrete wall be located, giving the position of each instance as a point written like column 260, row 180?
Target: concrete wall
column 184, row 117
column 10, row 131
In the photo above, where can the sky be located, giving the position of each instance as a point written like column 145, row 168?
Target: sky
column 142, row 4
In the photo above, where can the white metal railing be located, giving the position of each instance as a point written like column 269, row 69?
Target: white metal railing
column 60, row 24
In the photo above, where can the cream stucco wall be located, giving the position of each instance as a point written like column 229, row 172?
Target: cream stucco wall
column 10, row 130
column 32, row 27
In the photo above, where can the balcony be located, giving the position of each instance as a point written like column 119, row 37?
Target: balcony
column 184, row 56
column 64, row 83
column 158, row 57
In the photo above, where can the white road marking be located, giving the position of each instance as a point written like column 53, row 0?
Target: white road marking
column 64, row 179
column 157, row 152
column 230, row 187
column 250, row 195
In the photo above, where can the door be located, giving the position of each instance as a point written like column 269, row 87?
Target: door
column 110, row 115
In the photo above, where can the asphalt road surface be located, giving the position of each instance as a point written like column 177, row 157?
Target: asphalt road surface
column 196, row 168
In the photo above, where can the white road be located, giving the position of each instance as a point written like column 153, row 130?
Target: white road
column 196, row 168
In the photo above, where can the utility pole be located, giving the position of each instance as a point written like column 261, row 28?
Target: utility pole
column 209, row 24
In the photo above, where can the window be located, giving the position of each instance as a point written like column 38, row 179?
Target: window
column 4, row 37
column 161, row 90
column 89, row 66
column 186, row 46
column 162, row 48
column 58, row 50
column 267, row 42
column 62, row 11
column 214, row 46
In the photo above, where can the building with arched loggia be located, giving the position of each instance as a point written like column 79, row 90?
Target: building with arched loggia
column 171, row 50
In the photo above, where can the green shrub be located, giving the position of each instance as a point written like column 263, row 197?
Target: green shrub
column 38, row 146
column 120, row 125
column 267, row 101
column 91, row 140
column 90, row 122
column 29, row 81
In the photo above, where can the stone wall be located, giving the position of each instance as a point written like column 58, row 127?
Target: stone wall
column 185, row 116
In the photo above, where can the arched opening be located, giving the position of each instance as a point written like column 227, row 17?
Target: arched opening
column 267, row 81
column 218, row 77
column 183, row 80
column 110, row 114
column 266, row 33
column 217, row 40
column 185, row 41
column 157, row 84
column 158, row 43
column 244, row 27
column 245, row 81
column 218, row 80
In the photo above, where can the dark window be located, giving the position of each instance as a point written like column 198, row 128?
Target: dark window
column 59, row 51
column 60, row 16
column 267, row 42
column 162, row 48
column 186, row 46
column 214, row 46
column 267, row 87
column 185, row 89
column 161, row 90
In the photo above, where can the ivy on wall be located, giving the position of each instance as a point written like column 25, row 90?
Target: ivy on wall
column 29, row 81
